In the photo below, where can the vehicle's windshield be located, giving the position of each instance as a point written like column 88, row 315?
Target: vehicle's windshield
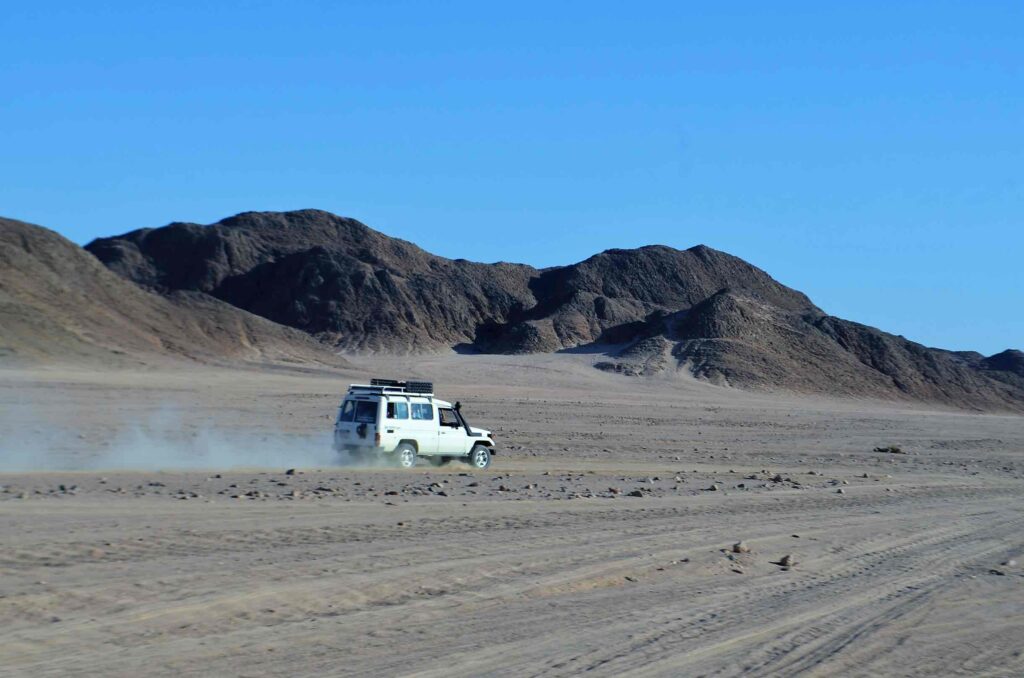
column 366, row 411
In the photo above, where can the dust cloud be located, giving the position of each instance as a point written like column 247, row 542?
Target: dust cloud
column 166, row 440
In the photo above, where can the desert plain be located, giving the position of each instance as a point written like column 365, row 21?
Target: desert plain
column 644, row 527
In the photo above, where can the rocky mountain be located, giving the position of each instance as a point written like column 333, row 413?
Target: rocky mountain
column 359, row 289
column 651, row 310
column 58, row 303
column 327, row 275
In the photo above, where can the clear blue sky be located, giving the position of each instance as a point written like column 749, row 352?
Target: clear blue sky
column 870, row 154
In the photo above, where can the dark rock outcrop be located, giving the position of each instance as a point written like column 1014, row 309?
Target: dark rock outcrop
column 1009, row 360
column 327, row 275
column 1007, row 367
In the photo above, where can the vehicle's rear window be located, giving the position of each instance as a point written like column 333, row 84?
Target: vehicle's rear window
column 422, row 411
column 398, row 410
column 366, row 411
column 348, row 409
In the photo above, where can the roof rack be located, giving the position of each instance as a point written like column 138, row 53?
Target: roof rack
column 422, row 388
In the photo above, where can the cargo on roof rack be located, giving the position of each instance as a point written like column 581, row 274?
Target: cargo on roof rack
column 424, row 388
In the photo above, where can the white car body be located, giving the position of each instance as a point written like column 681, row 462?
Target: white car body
column 376, row 420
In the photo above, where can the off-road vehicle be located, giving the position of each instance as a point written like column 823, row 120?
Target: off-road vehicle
column 401, row 421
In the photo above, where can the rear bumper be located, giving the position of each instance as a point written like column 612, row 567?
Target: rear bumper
column 365, row 449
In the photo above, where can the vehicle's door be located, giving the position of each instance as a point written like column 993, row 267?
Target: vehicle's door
column 396, row 423
column 423, row 426
column 451, row 436
column 356, row 423
column 343, row 424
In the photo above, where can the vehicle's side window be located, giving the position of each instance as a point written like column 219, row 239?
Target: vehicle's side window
column 348, row 410
column 398, row 410
column 448, row 417
column 422, row 411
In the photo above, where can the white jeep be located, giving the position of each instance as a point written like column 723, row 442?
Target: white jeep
column 400, row 421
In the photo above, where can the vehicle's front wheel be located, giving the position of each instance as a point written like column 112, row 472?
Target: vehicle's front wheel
column 405, row 456
column 480, row 457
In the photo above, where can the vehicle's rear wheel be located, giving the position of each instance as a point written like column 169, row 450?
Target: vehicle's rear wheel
column 480, row 457
column 405, row 456
column 438, row 461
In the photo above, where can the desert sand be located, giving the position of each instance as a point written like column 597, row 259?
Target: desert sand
column 150, row 527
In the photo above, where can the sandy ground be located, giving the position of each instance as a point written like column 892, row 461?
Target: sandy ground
column 595, row 543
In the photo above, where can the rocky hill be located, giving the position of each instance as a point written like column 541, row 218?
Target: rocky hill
column 326, row 275
column 60, row 304
column 651, row 310
column 734, row 339
column 359, row 289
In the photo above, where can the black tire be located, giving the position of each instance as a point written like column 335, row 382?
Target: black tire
column 438, row 461
column 405, row 456
column 480, row 457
